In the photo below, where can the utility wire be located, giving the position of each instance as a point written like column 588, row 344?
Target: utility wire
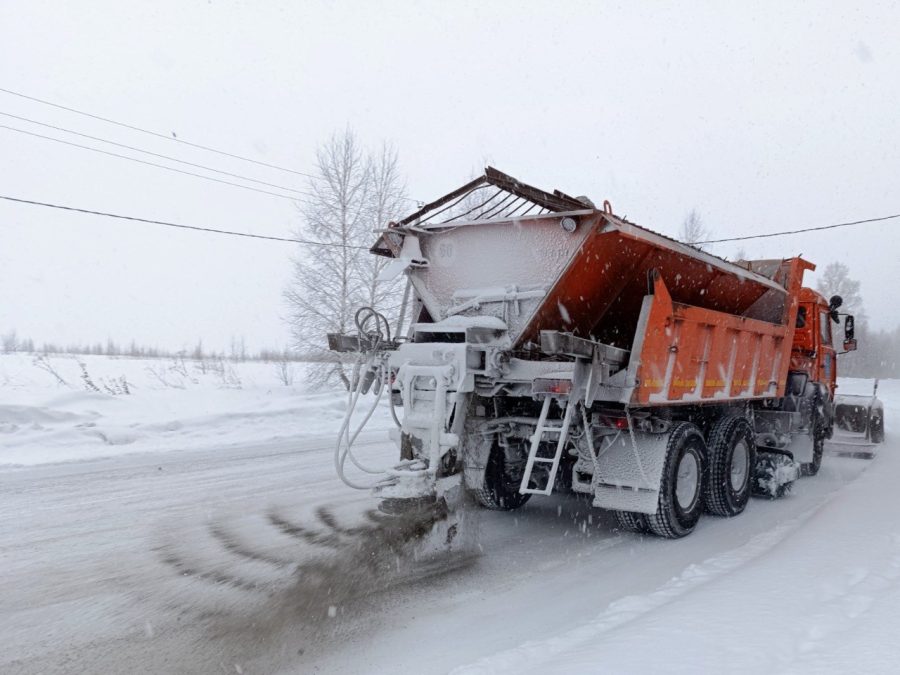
column 318, row 243
column 142, row 161
column 154, row 133
column 154, row 154
column 805, row 229
column 168, row 137
column 182, row 226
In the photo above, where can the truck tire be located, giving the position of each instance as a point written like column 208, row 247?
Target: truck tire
column 500, row 489
column 732, row 457
column 632, row 522
column 819, row 432
column 876, row 428
column 812, row 468
column 681, row 488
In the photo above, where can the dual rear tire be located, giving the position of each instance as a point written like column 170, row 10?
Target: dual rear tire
column 732, row 458
column 681, row 488
column 697, row 476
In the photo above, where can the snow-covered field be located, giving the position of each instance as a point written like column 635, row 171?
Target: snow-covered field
column 172, row 404
column 158, row 532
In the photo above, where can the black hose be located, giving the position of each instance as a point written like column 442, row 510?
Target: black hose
column 382, row 330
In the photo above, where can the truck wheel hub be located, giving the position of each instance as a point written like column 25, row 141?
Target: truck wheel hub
column 687, row 481
column 740, row 466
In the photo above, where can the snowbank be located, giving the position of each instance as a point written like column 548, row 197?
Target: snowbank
column 169, row 405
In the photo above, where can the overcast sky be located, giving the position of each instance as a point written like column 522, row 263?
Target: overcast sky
column 763, row 118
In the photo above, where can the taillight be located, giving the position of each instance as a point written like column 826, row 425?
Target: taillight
column 551, row 386
column 611, row 421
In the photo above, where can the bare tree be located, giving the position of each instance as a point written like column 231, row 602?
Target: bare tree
column 871, row 356
column 693, row 230
column 387, row 199
column 354, row 194
column 238, row 348
column 836, row 281
column 284, row 371
column 10, row 342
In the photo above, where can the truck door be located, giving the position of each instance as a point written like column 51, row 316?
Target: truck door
column 827, row 370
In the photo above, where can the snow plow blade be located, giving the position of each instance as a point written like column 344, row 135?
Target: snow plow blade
column 858, row 425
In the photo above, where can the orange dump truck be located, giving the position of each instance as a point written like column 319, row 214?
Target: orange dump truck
column 556, row 346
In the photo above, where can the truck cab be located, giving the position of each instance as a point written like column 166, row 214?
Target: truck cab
column 813, row 349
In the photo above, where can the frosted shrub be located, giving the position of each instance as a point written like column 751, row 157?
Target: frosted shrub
column 43, row 362
column 86, row 378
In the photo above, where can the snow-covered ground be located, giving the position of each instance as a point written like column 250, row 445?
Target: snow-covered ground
column 171, row 404
column 172, row 545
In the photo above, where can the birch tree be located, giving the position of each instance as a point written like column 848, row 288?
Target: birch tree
column 693, row 230
column 836, row 281
column 387, row 201
column 353, row 193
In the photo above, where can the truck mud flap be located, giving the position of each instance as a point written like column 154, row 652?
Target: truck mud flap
column 629, row 474
column 801, row 448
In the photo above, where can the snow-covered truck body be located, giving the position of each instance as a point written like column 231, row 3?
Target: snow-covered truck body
column 570, row 349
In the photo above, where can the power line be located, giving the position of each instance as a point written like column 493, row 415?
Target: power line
column 142, row 161
column 324, row 244
column 154, row 154
column 805, row 229
column 181, row 226
column 168, row 137
column 154, row 133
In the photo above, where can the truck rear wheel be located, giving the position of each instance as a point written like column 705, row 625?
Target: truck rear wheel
column 681, row 488
column 732, row 456
column 632, row 522
column 500, row 489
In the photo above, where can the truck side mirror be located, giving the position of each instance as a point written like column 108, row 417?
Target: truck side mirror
column 833, row 304
column 849, row 334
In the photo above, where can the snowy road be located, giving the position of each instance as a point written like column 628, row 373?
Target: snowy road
column 173, row 562
column 84, row 546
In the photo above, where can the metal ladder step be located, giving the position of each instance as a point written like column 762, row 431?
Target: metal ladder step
column 540, row 431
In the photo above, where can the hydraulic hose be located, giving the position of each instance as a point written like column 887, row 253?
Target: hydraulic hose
column 344, row 447
column 377, row 335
